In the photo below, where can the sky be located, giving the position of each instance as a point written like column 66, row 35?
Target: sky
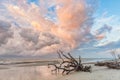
column 107, row 13
column 110, row 15
column 89, row 28
column 112, row 7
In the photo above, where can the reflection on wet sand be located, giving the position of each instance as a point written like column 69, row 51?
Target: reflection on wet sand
column 27, row 73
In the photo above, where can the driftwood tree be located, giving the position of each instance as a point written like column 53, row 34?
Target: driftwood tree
column 113, row 64
column 113, row 53
column 68, row 64
column 118, row 56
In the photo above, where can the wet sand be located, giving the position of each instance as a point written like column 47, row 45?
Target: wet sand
column 44, row 73
column 38, row 70
column 98, row 73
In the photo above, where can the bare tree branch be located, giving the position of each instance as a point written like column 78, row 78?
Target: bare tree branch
column 69, row 64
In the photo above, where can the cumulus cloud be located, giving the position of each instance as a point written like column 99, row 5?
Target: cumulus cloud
column 26, row 41
column 30, row 31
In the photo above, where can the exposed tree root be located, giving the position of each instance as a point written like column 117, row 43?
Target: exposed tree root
column 69, row 64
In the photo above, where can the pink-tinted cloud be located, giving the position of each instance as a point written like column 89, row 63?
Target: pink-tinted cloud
column 37, row 34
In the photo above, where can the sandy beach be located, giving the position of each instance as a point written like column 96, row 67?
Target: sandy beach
column 98, row 73
column 44, row 73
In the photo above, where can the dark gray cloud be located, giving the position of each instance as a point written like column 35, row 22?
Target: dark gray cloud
column 5, row 32
column 104, row 29
column 27, row 41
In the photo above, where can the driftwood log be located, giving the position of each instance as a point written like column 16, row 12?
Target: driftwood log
column 114, row 64
column 102, row 63
column 111, row 65
column 69, row 64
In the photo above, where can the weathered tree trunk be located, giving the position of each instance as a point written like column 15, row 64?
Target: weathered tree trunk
column 69, row 64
